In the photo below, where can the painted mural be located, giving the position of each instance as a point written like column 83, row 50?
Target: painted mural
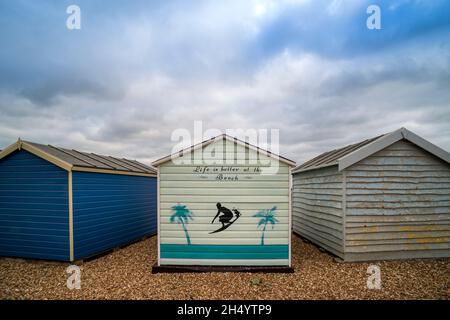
column 226, row 217
column 182, row 215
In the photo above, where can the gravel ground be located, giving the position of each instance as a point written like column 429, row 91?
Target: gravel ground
column 126, row 274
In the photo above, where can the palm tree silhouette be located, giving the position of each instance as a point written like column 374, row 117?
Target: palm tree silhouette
column 181, row 214
column 267, row 216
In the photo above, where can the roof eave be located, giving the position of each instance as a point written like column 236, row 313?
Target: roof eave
column 314, row 168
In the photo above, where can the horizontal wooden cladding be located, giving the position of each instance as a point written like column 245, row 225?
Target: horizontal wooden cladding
column 399, row 241
column 225, row 169
column 217, row 198
column 419, row 199
column 207, row 226
column 395, row 204
column 34, row 208
column 395, row 255
column 317, row 196
column 319, row 239
column 392, row 235
column 397, row 247
column 225, row 191
column 176, row 251
column 351, row 229
column 205, row 220
column 226, row 185
column 326, row 221
column 377, row 160
column 398, row 201
column 243, row 205
column 207, row 263
column 404, row 180
column 212, row 177
column 398, row 187
column 225, row 241
column 335, row 188
column 306, row 203
column 246, row 214
column 325, row 232
column 361, row 218
column 399, row 168
column 116, row 209
column 318, row 214
column 331, row 179
column 396, row 174
column 320, row 172
column 317, row 208
column 252, row 233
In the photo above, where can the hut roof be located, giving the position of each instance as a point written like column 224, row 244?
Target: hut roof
column 70, row 158
column 349, row 155
column 219, row 138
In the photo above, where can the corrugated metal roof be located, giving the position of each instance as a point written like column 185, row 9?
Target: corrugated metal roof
column 330, row 158
column 92, row 160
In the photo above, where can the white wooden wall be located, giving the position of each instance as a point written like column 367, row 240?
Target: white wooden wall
column 200, row 193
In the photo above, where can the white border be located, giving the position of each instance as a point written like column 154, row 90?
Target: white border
column 158, row 222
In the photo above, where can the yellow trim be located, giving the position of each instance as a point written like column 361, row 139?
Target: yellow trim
column 10, row 149
column 84, row 169
column 70, row 216
column 52, row 159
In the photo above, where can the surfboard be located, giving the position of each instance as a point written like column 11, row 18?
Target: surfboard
column 225, row 226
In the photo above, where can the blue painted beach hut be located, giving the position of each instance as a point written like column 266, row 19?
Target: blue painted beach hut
column 67, row 205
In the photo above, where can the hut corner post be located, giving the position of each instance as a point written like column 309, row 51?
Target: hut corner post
column 158, row 215
column 290, row 216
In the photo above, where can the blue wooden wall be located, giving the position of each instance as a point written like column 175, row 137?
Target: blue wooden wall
column 110, row 210
column 34, row 218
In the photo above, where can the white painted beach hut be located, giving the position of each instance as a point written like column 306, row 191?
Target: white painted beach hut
column 220, row 205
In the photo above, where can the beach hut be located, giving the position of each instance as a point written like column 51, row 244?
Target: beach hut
column 383, row 198
column 61, row 204
column 224, row 203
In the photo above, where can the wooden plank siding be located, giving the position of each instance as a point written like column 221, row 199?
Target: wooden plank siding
column 398, row 205
column 240, row 244
column 110, row 210
column 317, row 208
column 34, row 208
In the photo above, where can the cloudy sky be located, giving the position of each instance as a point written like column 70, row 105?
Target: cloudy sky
column 137, row 70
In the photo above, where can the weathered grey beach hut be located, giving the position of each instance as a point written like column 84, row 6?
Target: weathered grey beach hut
column 383, row 198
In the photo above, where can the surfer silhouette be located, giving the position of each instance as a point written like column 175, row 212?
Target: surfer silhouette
column 225, row 216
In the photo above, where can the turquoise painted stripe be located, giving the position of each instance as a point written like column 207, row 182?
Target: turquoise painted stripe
column 202, row 251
